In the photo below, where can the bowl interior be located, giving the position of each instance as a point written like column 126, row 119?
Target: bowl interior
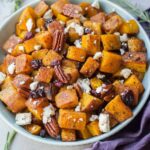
column 8, row 28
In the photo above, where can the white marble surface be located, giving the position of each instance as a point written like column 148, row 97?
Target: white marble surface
column 20, row 142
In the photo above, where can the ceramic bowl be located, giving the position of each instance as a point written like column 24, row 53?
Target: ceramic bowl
column 8, row 28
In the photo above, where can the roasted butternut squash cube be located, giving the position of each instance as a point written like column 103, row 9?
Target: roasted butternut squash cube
column 27, row 14
column 135, row 61
column 69, row 119
column 68, row 135
column 77, row 54
column 45, row 74
column 22, row 81
column 111, row 62
column 18, row 50
column 100, row 18
column 134, row 81
column 136, row 45
column 113, row 122
column 89, row 67
column 44, row 38
column 37, row 110
column 85, row 134
column 30, row 45
column 73, row 35
column 33, row 129
column 14, row 101
column 113, row 24
column 91, row 43
column 118, row 109
column 62, row 18
column 94, row 26
column 7, row 82
column 69, row 63
column 95, row 83
column 23, row 64
column 39, row 54
column 41, row 8
column 58, row 5
column 50, row 58
column 40, row 22
column 111, row 42
column 129, row 27
column 93, row 128
column 66, row 99
column 90, row 103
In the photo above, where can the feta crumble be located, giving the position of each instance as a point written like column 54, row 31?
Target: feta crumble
column 78, row 108
column 47, row 113
column 121, row 81
column 124, row 38
column 79, row 29
column 97, row 55
column 37, row 47
column 29, row 24
column 84, row 84
column 10, row 50
column 126, row 73
column 69, row 87
column 48, row 14
column 117, row 33
column 22, row 82
column 2, row 77
column 100, row 76
column 122, row 51
column 37, row 30
column 23, row 119
column 33, row 85
column 11, row 68
column 21, row 48
column 101, row 89
column 77, row 43
column 93, row 118
column 104, row 122
column 96, row 4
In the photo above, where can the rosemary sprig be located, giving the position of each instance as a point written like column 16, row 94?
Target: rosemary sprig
column 18, row 3
column 9, row 140
column 143, row 15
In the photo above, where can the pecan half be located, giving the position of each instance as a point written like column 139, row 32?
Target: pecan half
column 71, row 10
column 55, row 25
column 78, row 89
column 58, row 41
column 60, row 74
column 52, row 128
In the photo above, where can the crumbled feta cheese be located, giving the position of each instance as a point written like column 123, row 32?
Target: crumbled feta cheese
column 124, row 38
column 93, row 118
column 47, row 113
column 37, row 47
column 62, row 22
column 22, row 82
column 79, row 29
column 84, row 84
column 78, row 108
column 100, row 76
column 121, row 81
column 117, row 33
column 122, row 51
column 101, row 88
column 104, row 122
column 33, row 85
column 23, row 119
column 2, row 77
column 69, row 87
column 126, row 73
column 80, row 119
column 11, row 68
column 97, row 55
column 48, row 14
column 37, row 30
column 21, row 48
column 77, row 43
column 10, row 50
column 95, row 41
column 29, row 24
column 96, row 4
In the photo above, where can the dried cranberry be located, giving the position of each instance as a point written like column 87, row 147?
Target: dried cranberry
column 87, row 31
column 34, row 94
column 40, row 92
column 127, row 97
column 58, row 83
column 48, row 21
column 36, row 64
column 43, row 133
column 56, row 63
column 124, row 46
column 94, row 93
column 28, row 36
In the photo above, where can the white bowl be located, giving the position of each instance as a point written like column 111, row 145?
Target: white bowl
column 8, row 28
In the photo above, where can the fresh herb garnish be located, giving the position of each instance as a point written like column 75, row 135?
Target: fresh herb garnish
column 18, row 3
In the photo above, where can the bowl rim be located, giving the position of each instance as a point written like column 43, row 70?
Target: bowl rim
column 93, row 139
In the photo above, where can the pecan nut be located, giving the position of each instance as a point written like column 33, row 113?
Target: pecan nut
column 58, row 41
column 71, row 10
column 52, row 127
column 60, row 74
column 78, row 89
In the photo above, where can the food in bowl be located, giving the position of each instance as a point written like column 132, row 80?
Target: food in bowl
column 72, row 70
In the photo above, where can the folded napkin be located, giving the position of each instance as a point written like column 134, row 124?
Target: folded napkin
column 135, row 136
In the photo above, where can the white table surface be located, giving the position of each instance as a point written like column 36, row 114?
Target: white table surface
column 21, row 142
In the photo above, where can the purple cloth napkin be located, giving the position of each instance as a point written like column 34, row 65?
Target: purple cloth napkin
column 136, row 136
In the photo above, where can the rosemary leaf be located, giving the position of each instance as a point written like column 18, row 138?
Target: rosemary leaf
column 9, row 140
column 18, row 3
